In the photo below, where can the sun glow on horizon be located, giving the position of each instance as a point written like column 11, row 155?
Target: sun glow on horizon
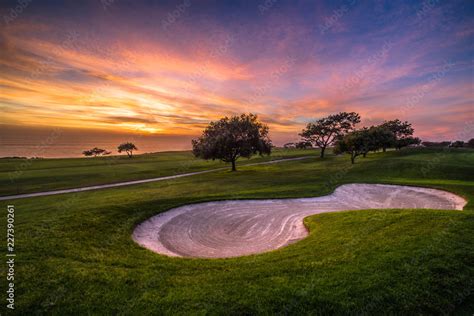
column 151, row 80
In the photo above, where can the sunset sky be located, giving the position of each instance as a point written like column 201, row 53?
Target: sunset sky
column 170, row 68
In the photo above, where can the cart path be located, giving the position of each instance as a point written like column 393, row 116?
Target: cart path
column 125, row 183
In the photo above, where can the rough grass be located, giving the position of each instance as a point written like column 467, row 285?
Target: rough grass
column 75, row 254
column 33, row 175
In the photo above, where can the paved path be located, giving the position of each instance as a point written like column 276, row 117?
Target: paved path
column 242, row 227
column 121, row 184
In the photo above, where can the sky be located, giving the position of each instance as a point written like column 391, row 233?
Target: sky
column 169, row 68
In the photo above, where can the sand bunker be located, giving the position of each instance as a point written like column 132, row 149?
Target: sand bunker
column 238, row 228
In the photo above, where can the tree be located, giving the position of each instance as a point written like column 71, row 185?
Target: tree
column 470, row 143
column 407, row 141
column 96, row 152
column 383, row 137
column 231, row 138
column 457, row 144
column 376, row 137
column 128, row 148
column 323, row 132
column 353, row 143
column 400, row 130
column 303, row 145
column 360, row 142
column 87, row 153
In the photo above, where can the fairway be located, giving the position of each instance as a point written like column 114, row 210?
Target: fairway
column 75, row 253
column 20, row 176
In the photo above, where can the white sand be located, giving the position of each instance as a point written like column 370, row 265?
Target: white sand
column 237, row 228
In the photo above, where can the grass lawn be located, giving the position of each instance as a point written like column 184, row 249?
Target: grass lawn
column 33, row 175
column 75, row 254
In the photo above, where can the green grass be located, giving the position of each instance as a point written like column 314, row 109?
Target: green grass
column 75, row 254
column 33, row 175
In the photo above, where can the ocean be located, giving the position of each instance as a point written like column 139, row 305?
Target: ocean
column 62, row 143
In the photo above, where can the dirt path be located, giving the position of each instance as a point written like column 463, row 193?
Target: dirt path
column 121, row 184
column 237, row 228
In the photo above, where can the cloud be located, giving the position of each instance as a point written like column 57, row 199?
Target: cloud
column 121, row 70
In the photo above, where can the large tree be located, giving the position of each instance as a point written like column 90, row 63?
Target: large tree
column 128, row 148
column 377, row 137
column 354, row 143
column 402, row 132
column 323, row 132
column 231, row 138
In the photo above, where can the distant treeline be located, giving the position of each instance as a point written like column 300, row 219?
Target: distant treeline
column 454, row 144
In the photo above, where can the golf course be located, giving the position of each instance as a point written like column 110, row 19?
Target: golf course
column 238, row 158
column 76, row 254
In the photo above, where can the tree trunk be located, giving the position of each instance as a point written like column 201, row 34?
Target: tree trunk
column 322, row 152
column 353, row 158
column 364, row 155
column 233, row 166
column 384, row 149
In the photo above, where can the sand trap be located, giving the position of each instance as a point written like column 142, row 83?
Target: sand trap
column 238, row 228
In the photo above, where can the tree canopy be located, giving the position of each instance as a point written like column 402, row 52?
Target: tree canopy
column 376, row 137
column 231, row 138
column 470, row 143
column 95, row 152
column 407, row 141
column 323, row 132
column 457, row 144
column 303, row 145
column 128, row 148
column 388, row 134
column 354, row 143
column 402, row 132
